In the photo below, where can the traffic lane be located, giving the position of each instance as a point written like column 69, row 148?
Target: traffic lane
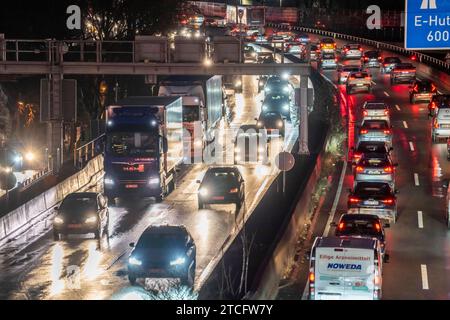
column 21, row 177
column 48, row 266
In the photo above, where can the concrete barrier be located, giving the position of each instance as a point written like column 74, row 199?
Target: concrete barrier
column 40, row 208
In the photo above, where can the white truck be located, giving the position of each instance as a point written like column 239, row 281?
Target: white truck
column 345, row 268
column 203, row 106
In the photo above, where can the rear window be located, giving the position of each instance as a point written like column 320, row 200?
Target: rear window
column 347, row 69
column 404, row 66
column 372, row 54
column 372, row 148
column 353, row 46
column 359, row 75
column 444, row 113
column 359, row 227
column 364, row 189
column 373, row 162
column 375, row 125
column 327, row 40
column 375, row 106
column 392, row 60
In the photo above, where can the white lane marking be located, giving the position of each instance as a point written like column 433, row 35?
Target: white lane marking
column 330, row 219
column 439, row 92
column 411, row 146
column 405, row 124
column 336, row 200
column 386, row 94
column 416, row 179
column 420, row 219
column 423, row 271
column 398, row 107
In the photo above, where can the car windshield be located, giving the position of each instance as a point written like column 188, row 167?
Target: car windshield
column 160, row 241
column 327, row 40
column 368, row 189
column 359, row 75
column 375, row 125
column 372, row 54
column 191, row 114
column 79, row 203
column 351, row 69
column 404, row 66
column 328, row 56
column 123, row 144
column 375, row 106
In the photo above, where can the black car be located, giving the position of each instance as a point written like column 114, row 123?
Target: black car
column 438, row 101
column 362, row 225
column 272, row 122
column 279, row 103
column 262, row 56
column 422, row 90
column 276, row 85
column 163, row 252
column 222, row 185
column 81, row 213
column 364, row 147
column 251, row 145
column 371, row 59
column 389, row 63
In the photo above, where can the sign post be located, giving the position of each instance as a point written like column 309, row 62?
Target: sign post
column 427, row 24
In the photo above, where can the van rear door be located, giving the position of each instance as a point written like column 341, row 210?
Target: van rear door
column 344, row 274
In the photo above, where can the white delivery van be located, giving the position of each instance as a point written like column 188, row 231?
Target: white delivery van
column 345, row 268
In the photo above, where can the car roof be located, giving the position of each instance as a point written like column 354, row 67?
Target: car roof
column 377, row 104
column 270, row 115
column 82, row 195
column 346, row 242
column 223, row 169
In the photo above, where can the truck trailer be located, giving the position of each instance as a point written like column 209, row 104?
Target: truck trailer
column 144, row 146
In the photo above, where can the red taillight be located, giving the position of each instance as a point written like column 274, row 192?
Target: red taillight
column 377, row 226
column 361, row 49
column 234, row 190
column 346, row 49
column 433, row 105
column 335, row 60
column 312, row 277
column 365, row 113
column 352, row 200
column 321, row 45
column 414, row 58
column 379, row 58
column 357, row 156
column 385, row 65
column 387, row 131
column 363, row 131
column 416, row 88
column 433, row 88
column 366, row 59
column 388, row 169
column 358, row 169
column 341, row 226
column 388, row 201
column 436, row 124
column 386, row 112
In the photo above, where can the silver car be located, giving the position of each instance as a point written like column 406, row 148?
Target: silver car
column 376, row 130
column 375, row 167
column 441, row 124
column 376, row 110
column 352, row 51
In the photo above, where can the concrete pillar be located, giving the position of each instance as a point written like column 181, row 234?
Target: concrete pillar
column 2, row 47
column 55, row 144
column 303, row 110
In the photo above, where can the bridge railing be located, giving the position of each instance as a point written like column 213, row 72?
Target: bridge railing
column 88, row 151
column 423, row 58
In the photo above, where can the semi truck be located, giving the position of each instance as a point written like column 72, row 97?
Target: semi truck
column 345, row 268
column 203, row 107
column 144, row 147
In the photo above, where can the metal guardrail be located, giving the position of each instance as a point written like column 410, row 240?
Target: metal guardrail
column 423, row 58
column 35, row 178
column 88, row 151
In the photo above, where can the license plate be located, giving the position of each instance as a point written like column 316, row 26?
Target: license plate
column 373, row 172
column 131, row 186
column 74, row 226
column 359, row 84
column 218, row 198
column 405, row 72
column 371, row 202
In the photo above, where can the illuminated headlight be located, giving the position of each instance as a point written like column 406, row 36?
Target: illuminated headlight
column 280, row 124
column 153, row 123
column 18, row 159
column 261, row 84
column 198, row 143
column 135, row 262
column 238, row 84
column 178, row 262
column 237, row 150
column 197, row 34
column 91, row 220
column 253, row 54
column 286, row 89
column 260, row 124
column 7, row 169
column 238, row 158
column 286, row 107
column 109, row 181
column 153, row 181
column 110, row 123
column 261, row 150
column 203, row 192
column 29, row 156
column 267, row 89
column 58, row 220
column 264, row 108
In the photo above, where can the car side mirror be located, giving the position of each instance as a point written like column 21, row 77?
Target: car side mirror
column 387, row 225
column 132, row 245
column 333, row 224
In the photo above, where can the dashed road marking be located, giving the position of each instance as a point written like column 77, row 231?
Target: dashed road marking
column 405, row 124
column 411, row 146
column 420, row 219
column 424, row 272
column 386, row 94
column 416, row 179
column 398, row 107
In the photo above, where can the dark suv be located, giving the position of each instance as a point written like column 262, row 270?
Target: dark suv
column 422, row 90
column 163, row 252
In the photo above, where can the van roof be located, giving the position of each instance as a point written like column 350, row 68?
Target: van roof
column 345, row 242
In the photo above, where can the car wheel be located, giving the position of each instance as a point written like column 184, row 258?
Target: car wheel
column 132, row 279
column 56, row 236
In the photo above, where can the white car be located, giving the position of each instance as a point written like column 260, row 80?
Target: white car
column 344, row 71
column 352, row 51
column 359, row 80
column 376, row 110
